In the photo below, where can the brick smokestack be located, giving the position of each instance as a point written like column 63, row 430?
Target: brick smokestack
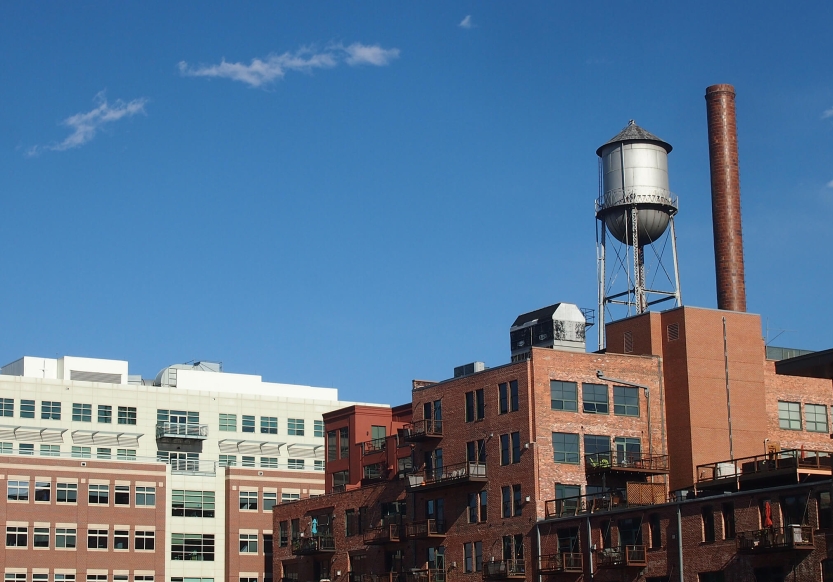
column 723, row 160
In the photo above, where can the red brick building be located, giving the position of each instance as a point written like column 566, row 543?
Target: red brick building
column 570, row 464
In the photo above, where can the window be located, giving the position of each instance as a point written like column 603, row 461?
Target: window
column 27, row 409
column 728, row 514
column 565, row 491
column 506, row 501
column 96, row 577
column 126, row 454
column 6, row 448
column 248, row 543
column 105, row 413
column 318, row 465
column 789, row 415
column 373, row 472
column 269, row 424
column 71, row 578
column 628, row 450
column 50, row 410
column 19, row 577
column 318, row 428
column 144, row 540
column 268, row 544
column 295, row 426
column 794, row 510
column 228, row 460
column 655, row 527
column 103, row 453
column 283, row 533
column 568, row 539
column 121, row 495
column 516, row 447
column 186, row 503
column 478, row 507
column 248, row 500
column 473, row 553
column 67, row 492
column 199, row 547
column 127, row 414
column 97, row 539
column 597, row 447
column 269, row 462
column 504, row 449
column 81, row 452
column 270, row 499
column 248, row 423
column 17, row 537
column 145, row 496
column 43, row 490
column 50, row 450
column 708, row 523
column 295, row 464
column 6, row 406
column 625, row 401
column 99, row 494
column 26, row 449
column 513, row 547
column 82, row 412
column 121, row 539
column 228, row 422
column 563, row 395
column 594, row 398
column 17, row 490
column 508, row 401
column 343, row 442
column 247, row 461
column 630, row 531
column 341, row 478
column 815, row 416
column 65, row 537
column 476, row 451
column 565, row 447
column 332, row 445
column 517, row 501
column 475, row 405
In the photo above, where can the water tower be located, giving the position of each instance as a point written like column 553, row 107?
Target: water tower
column 634, row 209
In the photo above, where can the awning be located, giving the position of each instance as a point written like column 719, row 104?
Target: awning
column 250, row 447
column 106, row 437
column 32, row 434
column 305, row 451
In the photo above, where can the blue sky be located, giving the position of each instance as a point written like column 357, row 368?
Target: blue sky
column 358, row 194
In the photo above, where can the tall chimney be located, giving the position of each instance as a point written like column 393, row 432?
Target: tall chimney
column 723, row 160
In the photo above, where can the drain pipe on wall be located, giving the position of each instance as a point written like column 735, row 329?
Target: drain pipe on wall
column 680, row 541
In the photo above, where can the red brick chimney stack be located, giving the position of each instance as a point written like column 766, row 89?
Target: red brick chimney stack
column 723, row 160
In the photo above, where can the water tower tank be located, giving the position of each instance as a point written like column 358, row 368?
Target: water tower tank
column 634, row 168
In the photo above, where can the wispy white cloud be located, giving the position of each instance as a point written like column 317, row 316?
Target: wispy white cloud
column 828, row 113
column 466, row 22
column 830, row 184
column 84, row 126
column 306, row 59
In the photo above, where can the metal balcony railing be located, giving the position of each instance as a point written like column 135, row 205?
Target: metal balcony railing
column 429, row 575
column 374, row 446
column 422, row 429
column 770, row 464
column 631, row 462
column 317, row 544
column 504, row 570
column 426, row 528
column 448, row 474
column 623, row 556
column 563, row 562
column 181, row 430
column 791, row 537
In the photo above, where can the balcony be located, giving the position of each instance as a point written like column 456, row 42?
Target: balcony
column 774, row 539
column 386, row 534
column 383, row 577
column 632, row 495
column 193, row 467
column 312, row 545
column 427, row 528
column 181, row 430
column 504, row 570
column 622, row 557
column 787, row 466
column 430, row 575
column 563, row 562
column 420, row 430
column 448, row 475
column 374, row 446
column 625, row 463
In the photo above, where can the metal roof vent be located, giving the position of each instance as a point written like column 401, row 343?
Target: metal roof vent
column 469, row 369
column 559, row 327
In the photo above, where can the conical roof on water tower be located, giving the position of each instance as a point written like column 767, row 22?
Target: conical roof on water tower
column 634, row 166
